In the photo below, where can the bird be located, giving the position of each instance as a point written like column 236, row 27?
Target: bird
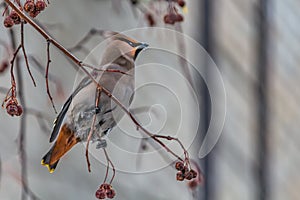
column 74, row 121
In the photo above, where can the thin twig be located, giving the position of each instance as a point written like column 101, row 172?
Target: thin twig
column 98, row 95
column 24, row 53
column 112, row 166
column 21, row 137
column 46, row 76
column 13, row 80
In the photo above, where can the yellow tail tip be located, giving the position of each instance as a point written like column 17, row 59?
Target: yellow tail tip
column 185, row 10
column 51, row 170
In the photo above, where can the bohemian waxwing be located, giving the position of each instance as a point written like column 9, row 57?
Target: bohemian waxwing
column 74, row 121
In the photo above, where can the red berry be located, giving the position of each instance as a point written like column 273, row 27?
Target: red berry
column 12, row 108
column 188, row 175
column 194, row 173
column 179, row 18
column 180, row 176
column 34, row 13
column 185, row 169
column 179, row 166
column 15, row 17
column 110, row 193
column 8, row 22
column 29, row 6
column 20, row 110
column 181, row 3
column 150, row 19
column 168, row 19
column 40, row 5
column 193, row 184
column 100, row 194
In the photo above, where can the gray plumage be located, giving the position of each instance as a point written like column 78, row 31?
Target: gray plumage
column 75, row 119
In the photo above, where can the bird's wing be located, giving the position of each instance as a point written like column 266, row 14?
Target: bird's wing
column 58, row 121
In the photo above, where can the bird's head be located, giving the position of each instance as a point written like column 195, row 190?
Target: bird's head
column 122, row 50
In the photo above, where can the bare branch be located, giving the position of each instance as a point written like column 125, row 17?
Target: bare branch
column 112, row 165
column 24, row 53
column 98, row 95
column 46, row 76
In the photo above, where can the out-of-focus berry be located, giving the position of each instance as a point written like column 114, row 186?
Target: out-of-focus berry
column 150, row 19
column 3, row 66
column 8, row 22
column 181, row 3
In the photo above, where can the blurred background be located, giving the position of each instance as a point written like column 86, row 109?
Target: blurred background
column 254, row 45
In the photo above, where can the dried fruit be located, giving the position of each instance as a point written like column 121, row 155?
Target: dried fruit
column 179, row 166
column 34, row 13
column 180, row 176
column 29, row 6
column 110, row 193
column 8, row 22
column 100, row 194
column 40, row 5
column 15, row 17
column 194, row 173
column 12, row 108
column 188, row 175
column 20, row 110
column 181, row 3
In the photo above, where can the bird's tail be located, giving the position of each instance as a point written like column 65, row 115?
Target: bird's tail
column 65, row 141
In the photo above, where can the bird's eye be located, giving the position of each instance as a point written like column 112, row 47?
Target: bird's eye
column 130, row 43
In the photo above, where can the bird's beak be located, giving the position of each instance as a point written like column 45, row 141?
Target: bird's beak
column 138, row 49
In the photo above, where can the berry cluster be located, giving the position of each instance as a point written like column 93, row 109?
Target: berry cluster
column 30, row 6
column 13, row 108
column 12, row 19
column 33, row 9
column 184, row 172
column 173, row 16
column 105, row 191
